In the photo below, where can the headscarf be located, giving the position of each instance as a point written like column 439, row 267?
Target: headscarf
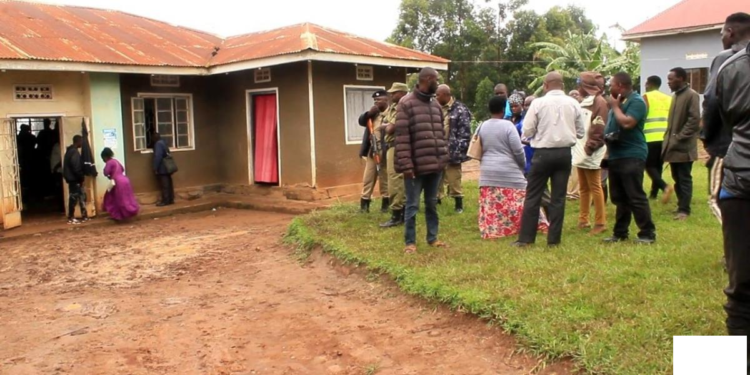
column 516, row 99
column 592, row 83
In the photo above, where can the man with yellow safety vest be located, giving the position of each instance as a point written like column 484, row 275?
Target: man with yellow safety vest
column 658, row 104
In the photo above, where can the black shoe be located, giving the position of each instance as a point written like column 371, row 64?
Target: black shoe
column 162, row 204
column 615, row 239
column 645, row 241
column 397, row 219
column 520, row 244
column 385, row 205
column 440, row 201
column 553, row 244
column 459, row 205
column 364, row 206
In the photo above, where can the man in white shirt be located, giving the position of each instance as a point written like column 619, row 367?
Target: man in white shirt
column 554, row 124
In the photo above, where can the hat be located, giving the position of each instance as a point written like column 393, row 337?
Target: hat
column 398, row 87
column 379, row 94
column 592, row 83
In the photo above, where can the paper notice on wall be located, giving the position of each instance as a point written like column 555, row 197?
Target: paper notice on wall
column 110, row 138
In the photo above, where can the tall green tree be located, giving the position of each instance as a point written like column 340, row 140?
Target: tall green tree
column 485, row 92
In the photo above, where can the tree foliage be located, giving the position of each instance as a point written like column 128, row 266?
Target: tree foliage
column 485, row 92
column 490, row 40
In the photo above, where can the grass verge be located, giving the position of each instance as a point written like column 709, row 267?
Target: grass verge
column 612, row 308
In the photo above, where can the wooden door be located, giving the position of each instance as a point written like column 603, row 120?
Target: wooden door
column 10, row 176
column 71, row 126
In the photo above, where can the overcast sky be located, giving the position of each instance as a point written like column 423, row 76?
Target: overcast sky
column 373, row 19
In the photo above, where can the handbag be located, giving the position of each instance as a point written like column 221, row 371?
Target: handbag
column 169, row 164
column 475, row 146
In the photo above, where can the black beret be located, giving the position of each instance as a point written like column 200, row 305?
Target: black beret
column 379, row 94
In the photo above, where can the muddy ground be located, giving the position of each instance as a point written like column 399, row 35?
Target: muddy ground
column 218, row 293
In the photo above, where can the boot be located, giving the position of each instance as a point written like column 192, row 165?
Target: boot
column 397, row 218
column 364, row 206
column 459, row 205
column 386, row 204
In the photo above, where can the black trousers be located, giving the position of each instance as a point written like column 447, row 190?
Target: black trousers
column 548, row 164
column 735, row 214
column 682, row 173
column 626, row 192
column 76, row 195
column 655, row 168
column 167, row 189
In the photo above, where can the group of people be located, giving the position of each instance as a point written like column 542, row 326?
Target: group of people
column 119, row 200
column 531, row 147
column 39, row 158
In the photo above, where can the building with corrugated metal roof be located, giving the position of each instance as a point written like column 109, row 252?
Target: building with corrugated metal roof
column 686, row 35
column 272, row 108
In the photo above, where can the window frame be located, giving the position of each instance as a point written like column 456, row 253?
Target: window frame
column 173, row 96
column 261, row 72
column 365, row 67
column 702, row 74
column 346, row 117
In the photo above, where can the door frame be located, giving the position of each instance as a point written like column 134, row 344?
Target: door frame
column 249, row 94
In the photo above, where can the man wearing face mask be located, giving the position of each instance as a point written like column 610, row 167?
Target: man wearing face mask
column 421, row 155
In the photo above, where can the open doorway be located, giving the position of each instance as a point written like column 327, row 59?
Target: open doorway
column 265, row 167
column 40, row 160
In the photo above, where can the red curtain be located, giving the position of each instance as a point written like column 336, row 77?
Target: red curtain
column 266, row 145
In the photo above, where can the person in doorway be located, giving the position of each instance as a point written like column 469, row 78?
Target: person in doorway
column 715, row 136
column 46, row 139
column 502, row 185
column 680, row 148
column 589, row 152
column 395, row 180
column 554, row 123
column 501, row 90
column 658, row 104
column 119, row 200
column 373, row 151
column 627, row 149
column 161, row 150
column 421, row 155
column 733, row 99
column 26, row 142
column 457, row 129
column 73, row 174
column 55, row 165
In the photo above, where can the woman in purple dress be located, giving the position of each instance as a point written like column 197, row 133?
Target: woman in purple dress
column 119, row 200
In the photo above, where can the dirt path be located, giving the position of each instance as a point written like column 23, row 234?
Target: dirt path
column 217, row 293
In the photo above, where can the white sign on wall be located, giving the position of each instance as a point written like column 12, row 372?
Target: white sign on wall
column 696, row 56
column 110, row 138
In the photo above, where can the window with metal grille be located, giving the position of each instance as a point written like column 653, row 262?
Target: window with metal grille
column 163, row 80
column 32, row 92
column 698, row 79
column 263, row 75
column 170, row 116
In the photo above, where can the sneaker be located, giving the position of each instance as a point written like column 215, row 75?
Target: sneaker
column 681, row 216
column 615, row 239
column 85, row 220
column 645, row 241
column 73, row 222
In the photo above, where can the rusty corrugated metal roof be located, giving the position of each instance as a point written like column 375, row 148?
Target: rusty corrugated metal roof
column 689, row 14
column 34, row 31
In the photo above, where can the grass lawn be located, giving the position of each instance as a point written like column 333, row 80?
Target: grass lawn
column 612, row 308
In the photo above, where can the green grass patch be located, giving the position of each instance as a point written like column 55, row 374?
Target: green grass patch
column 612, row 308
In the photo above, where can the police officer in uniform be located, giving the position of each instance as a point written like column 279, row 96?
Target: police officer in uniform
column 658, row 104
column 395, row 180
column 457, row 129
column 372, row 145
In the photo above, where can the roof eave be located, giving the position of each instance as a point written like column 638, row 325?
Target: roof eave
column 310, row 55
column 86, row 67
column 637, row 37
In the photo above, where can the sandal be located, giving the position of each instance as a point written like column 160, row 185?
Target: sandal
column 439, row 244
column 410, row 249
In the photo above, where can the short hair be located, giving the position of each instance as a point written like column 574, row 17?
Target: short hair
column 654, row 80
column 623, row 79
column 77, row 138
column 497, row 105
column 679, row 72
column 739, row 18
column 107, row 153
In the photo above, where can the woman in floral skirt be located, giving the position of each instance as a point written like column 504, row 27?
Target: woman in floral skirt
column 502, row 185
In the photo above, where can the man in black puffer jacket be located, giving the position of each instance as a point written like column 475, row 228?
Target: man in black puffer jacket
column 73, row 174
column 421, row 155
